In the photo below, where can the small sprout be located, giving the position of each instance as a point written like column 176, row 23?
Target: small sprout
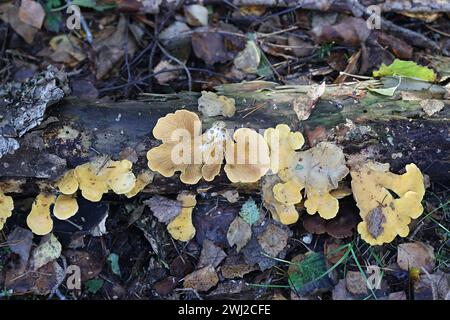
column 283, row 213
column 39, row 220
column 169, row 129
column 248, row 157
column 317, row 170
column 212, row 105
column 65, row 207
column 282, row 143
column 385, row 217
column 6, row 208
column 68, row 184
column 142, row 180
column 181, row 228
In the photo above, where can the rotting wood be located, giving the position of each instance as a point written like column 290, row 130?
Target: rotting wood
column 387, row 129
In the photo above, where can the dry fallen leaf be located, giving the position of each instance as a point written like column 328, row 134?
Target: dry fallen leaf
column 202, row 279
column 196, row 15
column 210, row 255
column 273, row 240
column 48, row 250
column 239, row 233
column 303, row 105
column 415, row 255
column 10, row 14
column 167, row 76
column 355, row 282
column 111, row 50
column 232, row 196
column 20, row 241
column 164, row 209
column 213, row 46
column 31, row 13
column 236, row 267
column 432, row 106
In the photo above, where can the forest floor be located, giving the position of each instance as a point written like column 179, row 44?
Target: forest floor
column 122, row 50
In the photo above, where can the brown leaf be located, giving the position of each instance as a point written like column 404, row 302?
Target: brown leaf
column 239, row 233
column 350, row 31
column 31, row 13
column 217, row 45
column 355, row 282
column 181, row 266
column 210, row 255
column 303, row 105
column 415, row 255
column 10, row 14
column 236, row 267
column 164, row 209
column 400, row 48
column 165, row 286
column 20, row 241
column 202, row 279
column 273, row 240
column 111, row 50
column 90, row 264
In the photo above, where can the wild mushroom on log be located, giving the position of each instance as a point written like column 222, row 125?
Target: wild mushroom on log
column 384, row 129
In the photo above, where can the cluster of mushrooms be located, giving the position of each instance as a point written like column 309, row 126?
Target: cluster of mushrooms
column 289, row 177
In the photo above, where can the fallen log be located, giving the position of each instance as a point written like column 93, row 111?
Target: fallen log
column 388, row 129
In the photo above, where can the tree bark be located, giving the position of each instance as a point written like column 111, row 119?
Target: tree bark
column 386, row 129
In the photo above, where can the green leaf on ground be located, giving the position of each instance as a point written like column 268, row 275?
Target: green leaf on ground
column 249, row 211
column 113, row 260
column 405, row 69
column 94, row 285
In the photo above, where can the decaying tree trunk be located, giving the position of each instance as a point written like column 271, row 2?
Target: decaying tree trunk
column 388, row 129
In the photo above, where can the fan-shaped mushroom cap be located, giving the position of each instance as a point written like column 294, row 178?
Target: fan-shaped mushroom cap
column 91, row 183
column 211, row 105
column 248, row 157
column 288, row 192
column 65, row 207
column 319, row 170
column 181, row 228
column 385, row 217
column 96, row 177
column 282, row 143
column 6, row 208
column 143, row 179
column 68, row 184
column 119, row 177
column 283, row 213
column 180, row 133
column 39, row 220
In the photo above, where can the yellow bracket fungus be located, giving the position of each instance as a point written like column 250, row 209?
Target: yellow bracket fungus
column 66, row 206
column 248, row 157
column 181, row 228
column 97, row 177
column 6, row 208
column 211, row 105
column 384, row 216
column 318, row 171
column 68, row 184
column 39, row 220
column 283, row 145
column 180, row 150
column 143, row 179
column 198, row 156
column 283, row 213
